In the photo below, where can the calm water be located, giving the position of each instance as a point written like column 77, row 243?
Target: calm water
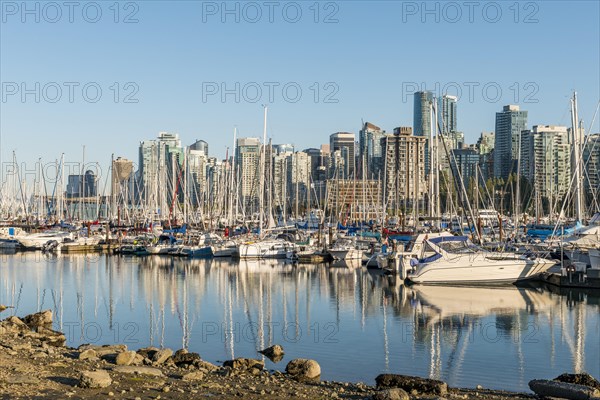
column 355, row 323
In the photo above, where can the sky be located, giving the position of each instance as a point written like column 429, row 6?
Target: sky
column 107, row 75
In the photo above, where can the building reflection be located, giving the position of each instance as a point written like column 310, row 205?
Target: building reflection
column 174, row 300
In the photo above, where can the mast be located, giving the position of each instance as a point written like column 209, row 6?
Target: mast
column 81, row 195
column 518, row 189
column 576, row 155
column 262, row 174
column 296, row 179
column 185, row 186
column 431, row 160
column 436, row 177
column 231, row 183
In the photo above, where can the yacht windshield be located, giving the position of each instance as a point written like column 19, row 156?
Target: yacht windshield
column 460, row 247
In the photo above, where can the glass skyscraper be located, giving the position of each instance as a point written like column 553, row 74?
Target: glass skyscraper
column 509, row 124
column 446, row 112
column 421, row 113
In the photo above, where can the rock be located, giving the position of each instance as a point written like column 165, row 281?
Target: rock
column 193, row 376
column 15, row 321
column 43, row 318
column 579, row 379
column 51, row 337
column 88, row 354
column 410, row 383
column 304, row 370
column 139, row 359
column 95, row 379
column 244, row 364
column 12, row 325
column 571, row 391
column 274, row 353
column 148, row 352
column 3, row 307
column 132, row 369
column 126, row 358
column 182, row 358
column 102, row 351
column 161, row 356
column 205, row 365
column 22, row 380
column 391, row 394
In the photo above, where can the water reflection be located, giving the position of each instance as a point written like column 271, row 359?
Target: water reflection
column 357, row 323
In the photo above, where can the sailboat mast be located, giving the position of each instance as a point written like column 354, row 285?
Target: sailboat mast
column 576, row 165
column 232, row 214
column 262, row 173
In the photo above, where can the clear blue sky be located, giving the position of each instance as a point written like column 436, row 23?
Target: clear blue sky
column 372, row 55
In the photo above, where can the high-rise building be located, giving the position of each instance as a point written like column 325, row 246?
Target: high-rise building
column 354, row 200
column 336, row 165
column 280, row 179
column 160, row 162
column 197, row 159
column 549, row 152
column 200, row 146
column 283, row 148
column 591, row 158
column 298, row 171
column 248, row 162
column 344, row 142
column 82, row 185
column 404, row 158
column 121, row 181
column 509, row 124
column 485, row 143
column 457, row 139
column 465, row 162
column 446, row 113
column 422, row 113
column 370, row 153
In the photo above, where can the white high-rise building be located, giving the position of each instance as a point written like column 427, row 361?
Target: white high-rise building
column 549, row 167
column 298, row 176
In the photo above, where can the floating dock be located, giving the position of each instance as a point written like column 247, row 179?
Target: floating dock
column 583, row 280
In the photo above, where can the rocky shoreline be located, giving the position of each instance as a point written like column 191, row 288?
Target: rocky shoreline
column 35, row 363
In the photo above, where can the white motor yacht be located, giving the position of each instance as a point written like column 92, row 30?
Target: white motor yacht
column 454, row 259
column 345, row 249
column 268, row 248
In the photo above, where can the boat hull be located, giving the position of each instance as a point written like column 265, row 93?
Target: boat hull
column 480, row 270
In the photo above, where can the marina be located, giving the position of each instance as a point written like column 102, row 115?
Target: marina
column 499, row 337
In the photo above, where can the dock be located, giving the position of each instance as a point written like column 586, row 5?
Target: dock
column 581, row 280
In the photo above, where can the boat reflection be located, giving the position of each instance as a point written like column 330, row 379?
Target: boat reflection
column 225, row 309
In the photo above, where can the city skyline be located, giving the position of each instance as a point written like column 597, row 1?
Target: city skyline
column 178, row 81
